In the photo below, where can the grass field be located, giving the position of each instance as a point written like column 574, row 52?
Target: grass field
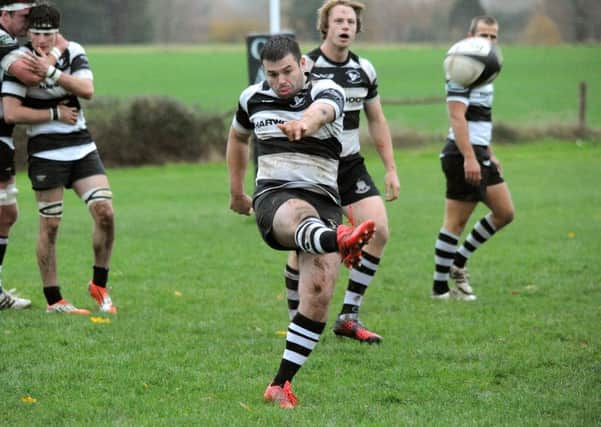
column 538, row 85
column 201, row 307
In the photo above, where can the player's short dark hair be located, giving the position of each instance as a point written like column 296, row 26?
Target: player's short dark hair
column 488, row 20
column 44, row 16
column 9, row 2
column 278, row 46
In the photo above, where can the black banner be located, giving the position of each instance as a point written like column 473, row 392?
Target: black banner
column 254, row 44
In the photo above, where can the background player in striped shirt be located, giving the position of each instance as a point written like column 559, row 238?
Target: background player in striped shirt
column 62, row 154
column 473, row 174
column 339, row 21
column 297, row 126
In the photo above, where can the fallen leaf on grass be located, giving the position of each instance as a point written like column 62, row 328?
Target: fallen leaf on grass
column 29, row 400
column 245, row 406
column 282, row 333
column 178, row 294
column 100, row 320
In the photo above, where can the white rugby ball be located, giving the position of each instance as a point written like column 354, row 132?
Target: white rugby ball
column 472, row 62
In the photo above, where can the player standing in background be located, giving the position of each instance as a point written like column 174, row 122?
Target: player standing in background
column 339, row 21
column 297, row 207
column 13, row 24
column 62, row 154
column 473, row 174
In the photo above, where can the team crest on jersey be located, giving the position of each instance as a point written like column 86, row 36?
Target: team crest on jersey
column 299, row 101
column 361, row 187
column 319, row 76
column 353, row 76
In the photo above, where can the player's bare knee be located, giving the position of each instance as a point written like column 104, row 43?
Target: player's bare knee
column 381, row 235
column 99, row 201
column 49, row 228
column 104, row 215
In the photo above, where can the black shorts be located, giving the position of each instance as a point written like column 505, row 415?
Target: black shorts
column 267, row 204
column 457, row 187
column 7, row 162
column 47, row 174
column 354, row 181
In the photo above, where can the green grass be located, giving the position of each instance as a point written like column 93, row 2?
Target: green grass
column 538, row 85
column 528, row 352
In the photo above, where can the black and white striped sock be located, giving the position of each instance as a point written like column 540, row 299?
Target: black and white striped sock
column 359, row 279
column 314, row 237
column 445, row 249
column 482, row 231
column 303, row 335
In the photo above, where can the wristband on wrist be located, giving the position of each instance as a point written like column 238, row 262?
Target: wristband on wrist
column 55, row 113
column 55, row 52
column 53, row 74
column 51, row 71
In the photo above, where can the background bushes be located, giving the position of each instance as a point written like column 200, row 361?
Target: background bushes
column 147, row 131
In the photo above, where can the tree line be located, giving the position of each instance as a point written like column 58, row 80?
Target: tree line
column 201, row 21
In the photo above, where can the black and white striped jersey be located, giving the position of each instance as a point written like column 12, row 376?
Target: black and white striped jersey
column 8, row 44
column 479, row 110
column 312, row 162
column 53, row 139
column 357, row 77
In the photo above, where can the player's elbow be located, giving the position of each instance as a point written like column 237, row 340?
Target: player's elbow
column 86, row 90
column 457, row 116
column 87, row 94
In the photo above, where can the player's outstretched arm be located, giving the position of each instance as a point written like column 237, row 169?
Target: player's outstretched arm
column 314, row 117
